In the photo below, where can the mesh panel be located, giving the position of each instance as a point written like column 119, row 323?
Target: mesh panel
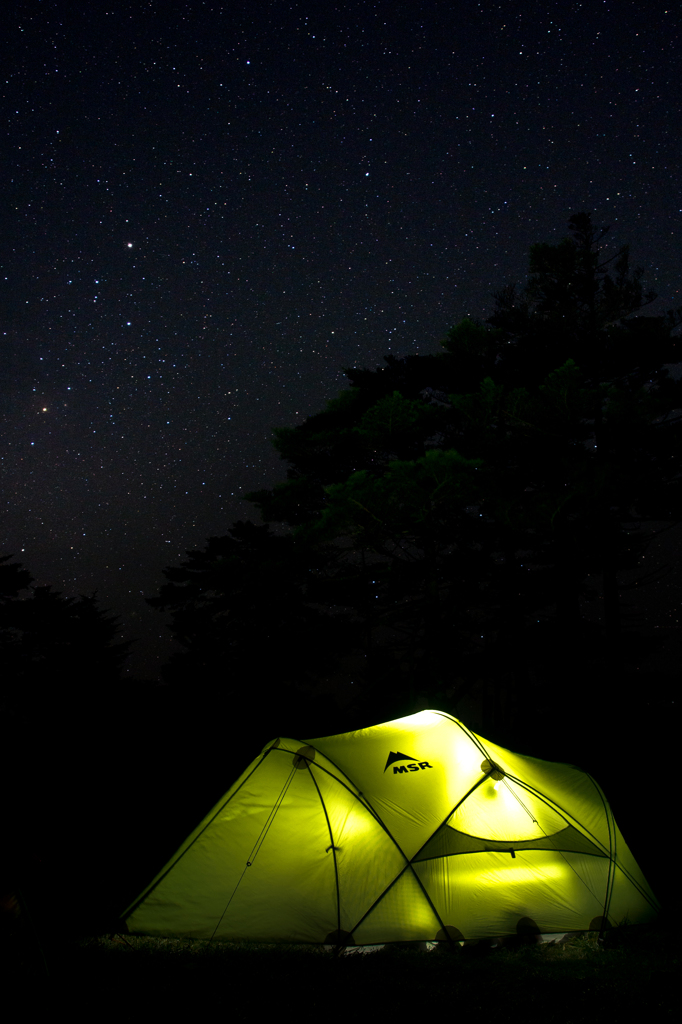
column 448, row 842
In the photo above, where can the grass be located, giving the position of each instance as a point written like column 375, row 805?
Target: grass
column 633, row 971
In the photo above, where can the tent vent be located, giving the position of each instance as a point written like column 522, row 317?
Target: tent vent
column 303, row 756
column 492, row 769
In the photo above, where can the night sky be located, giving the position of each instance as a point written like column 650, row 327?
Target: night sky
column 209, row 210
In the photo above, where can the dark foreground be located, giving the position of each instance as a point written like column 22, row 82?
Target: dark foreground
column 635, row 970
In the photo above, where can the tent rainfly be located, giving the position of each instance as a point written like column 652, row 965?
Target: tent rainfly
column 417, row 829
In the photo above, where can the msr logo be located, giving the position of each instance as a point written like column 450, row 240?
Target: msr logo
column 400, row 769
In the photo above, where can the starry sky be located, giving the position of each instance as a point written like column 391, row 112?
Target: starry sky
column 211, row 209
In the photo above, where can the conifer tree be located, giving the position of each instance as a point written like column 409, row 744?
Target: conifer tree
column 449, row 515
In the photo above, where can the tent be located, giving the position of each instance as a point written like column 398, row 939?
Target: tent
column 417, row 829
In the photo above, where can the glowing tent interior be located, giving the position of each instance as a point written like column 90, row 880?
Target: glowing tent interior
column 417, row 829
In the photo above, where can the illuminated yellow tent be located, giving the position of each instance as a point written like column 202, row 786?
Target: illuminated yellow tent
column 417, row 829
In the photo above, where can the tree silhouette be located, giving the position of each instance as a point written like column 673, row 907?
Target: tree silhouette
column 448, row 516
column 61, row 657
column 243, row 614
column 60, row 665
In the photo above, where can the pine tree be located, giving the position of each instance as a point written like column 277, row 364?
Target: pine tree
column 448, row 515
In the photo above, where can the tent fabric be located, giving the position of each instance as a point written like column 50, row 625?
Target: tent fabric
column 417, row 829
